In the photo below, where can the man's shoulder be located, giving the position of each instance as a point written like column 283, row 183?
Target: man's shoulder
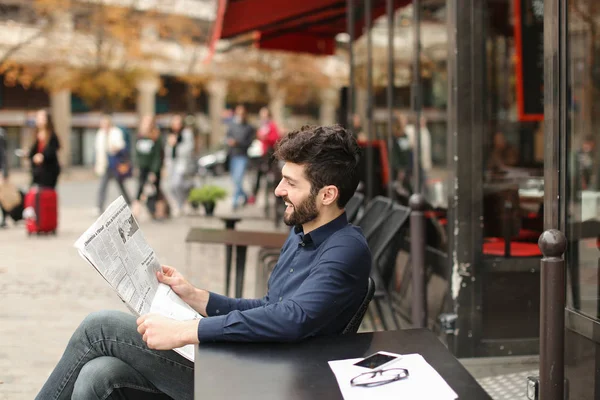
column 347, row 248
column 349, row 236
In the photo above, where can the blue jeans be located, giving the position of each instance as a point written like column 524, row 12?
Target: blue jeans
column 237, row 169
column 106, row 357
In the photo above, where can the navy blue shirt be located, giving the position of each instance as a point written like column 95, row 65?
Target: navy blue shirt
column 316, row 287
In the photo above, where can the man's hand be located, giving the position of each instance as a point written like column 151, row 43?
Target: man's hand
column 231, row 142
column 196, row 298
column 162, row 333
column 38, row 158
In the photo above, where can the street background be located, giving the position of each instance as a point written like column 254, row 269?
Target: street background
column 47, row 288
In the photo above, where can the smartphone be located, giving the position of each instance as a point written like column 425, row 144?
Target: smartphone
column 377, row 360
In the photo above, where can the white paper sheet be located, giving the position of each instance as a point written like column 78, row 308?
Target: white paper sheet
column 423, row 381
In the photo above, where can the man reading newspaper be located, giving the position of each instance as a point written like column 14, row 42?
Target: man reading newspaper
column 315, row 289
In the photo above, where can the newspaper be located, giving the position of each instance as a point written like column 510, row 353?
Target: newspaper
column 115, row 246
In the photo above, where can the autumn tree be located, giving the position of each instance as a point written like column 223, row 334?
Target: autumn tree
column 300, row 76
column 29, row 21
column 99, row 49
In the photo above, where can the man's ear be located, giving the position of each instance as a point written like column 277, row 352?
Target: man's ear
column 329, row 195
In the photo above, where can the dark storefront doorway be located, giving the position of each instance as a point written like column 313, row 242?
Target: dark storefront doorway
column 496, row 159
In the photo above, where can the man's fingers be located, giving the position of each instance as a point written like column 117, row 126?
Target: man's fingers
column 141, row 329
column 141, row 319
column 167, row 280
column 167, row 270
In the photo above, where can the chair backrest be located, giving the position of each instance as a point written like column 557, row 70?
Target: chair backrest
column 357, row 318
column 374, row 215
column 386, row 242
column 353, row 206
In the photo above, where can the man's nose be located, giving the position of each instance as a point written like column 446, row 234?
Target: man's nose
column 279, row 191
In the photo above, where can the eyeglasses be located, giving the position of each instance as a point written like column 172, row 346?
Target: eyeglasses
column 379, row 377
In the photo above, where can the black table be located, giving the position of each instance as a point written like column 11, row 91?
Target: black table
column 240, row 240
column 300, row 371
column 230, row 222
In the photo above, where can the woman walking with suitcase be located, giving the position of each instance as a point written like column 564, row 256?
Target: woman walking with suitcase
column 45, row 168
column 41, row 202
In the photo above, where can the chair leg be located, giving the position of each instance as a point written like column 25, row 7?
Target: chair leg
column 371, row 311
column 380, row 312
column 391, row 306
column 369, row 319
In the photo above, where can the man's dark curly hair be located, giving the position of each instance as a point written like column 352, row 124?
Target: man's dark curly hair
column 330, row 155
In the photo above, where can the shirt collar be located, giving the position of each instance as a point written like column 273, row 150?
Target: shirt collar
column 320, row 234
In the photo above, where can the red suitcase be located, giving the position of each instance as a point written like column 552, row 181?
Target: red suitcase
column 41, row 210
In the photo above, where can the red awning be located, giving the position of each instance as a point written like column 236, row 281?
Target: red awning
column 306, row 26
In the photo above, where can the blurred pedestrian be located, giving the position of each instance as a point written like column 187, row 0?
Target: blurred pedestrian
column 585, row 167
column 268, row 133
column 109, row 146
column 148, row 156
column 402, row 159
column 43, row 154
column 503, row 155
column 425, row 161
column 4, row 168
column 239, row 138
column 357, row 129
column 179, row 162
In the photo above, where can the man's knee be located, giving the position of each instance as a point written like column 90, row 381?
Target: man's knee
column 103, row 321
column 96, row 379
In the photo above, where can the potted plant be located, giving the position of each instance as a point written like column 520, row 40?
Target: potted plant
column 207, row 195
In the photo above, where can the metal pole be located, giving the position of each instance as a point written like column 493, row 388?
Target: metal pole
column 598, row 283
column 417, row 256
column 552, row 315
column 390, row 92
column 350, row 28
column 416, row 93
column 369, row 100
column 417, row 201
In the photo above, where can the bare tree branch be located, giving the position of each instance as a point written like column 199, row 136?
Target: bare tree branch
column 12, row 50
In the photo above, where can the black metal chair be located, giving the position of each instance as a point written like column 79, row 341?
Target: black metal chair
column 356, row 320
column 436, row 263
column 353, row 206
column 385, row 244
column 374, row 215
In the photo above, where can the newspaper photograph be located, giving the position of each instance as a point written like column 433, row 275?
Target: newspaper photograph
column 115, row 246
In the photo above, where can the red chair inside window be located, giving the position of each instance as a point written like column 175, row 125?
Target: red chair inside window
column 504, row 236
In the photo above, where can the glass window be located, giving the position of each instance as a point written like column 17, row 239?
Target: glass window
column 513, row 147
column 583, row 154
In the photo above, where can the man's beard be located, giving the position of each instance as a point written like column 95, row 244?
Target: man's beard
column 303, row 212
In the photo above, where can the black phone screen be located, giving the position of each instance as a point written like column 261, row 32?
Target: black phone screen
column 374, row 361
